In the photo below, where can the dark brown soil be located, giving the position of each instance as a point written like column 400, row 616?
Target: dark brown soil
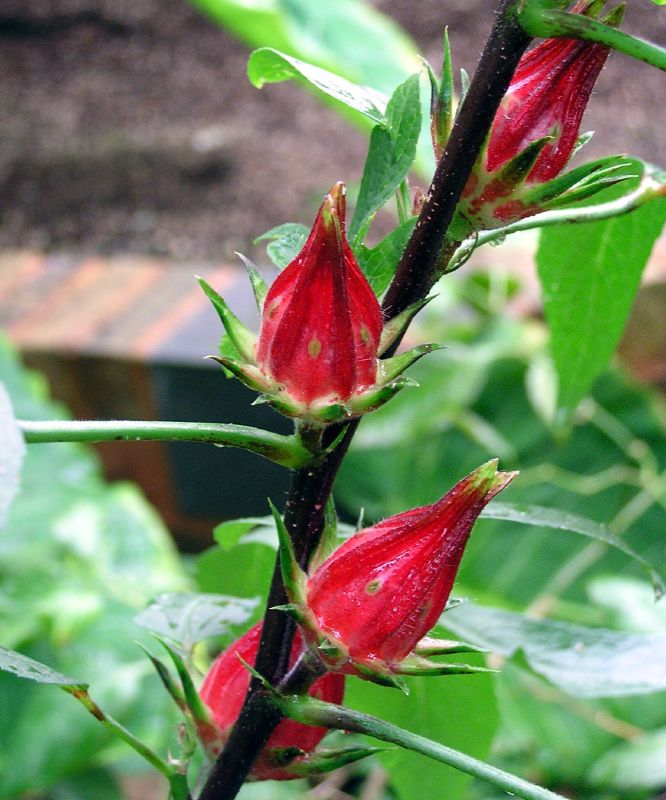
column 129, row 124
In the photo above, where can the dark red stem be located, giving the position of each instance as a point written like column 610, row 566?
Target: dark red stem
column 311, row 487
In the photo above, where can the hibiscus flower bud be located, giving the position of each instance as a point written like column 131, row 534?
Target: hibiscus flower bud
column 536, row 130
column 367, row 607
column 224, row 690
column 316, row 356
column 321, row 321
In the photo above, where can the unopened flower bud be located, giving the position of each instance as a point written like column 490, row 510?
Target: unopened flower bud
column 224, row 690
column 316, row 357
column 370, row 603
column 536, row 130
column 321, row 321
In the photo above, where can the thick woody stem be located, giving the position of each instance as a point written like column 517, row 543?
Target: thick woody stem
column 311, row 487
column 417, row 270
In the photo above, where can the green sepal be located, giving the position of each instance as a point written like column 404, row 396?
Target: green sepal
column 195, row 705
column 167, row 680
column 582, row 140
column 583, row 193
column 393, row 681
column 543, row 193
column 441, row 101
column 248, row 374
column 293, row 576
column 390, row 368
column 256, row 674
column 259, row 285
column 519, row 167
column 376, row 396
column 327, row 413
column 321, row 761
column 283, row 756
column 295, row 612
column 242, row 338
column 329, row 538
column 417, row 665
column 329, row 650
column 615, row 16
column 439, row 647
column 394, row 327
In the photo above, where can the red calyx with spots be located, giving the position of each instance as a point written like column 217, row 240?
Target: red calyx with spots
column 379, row 594
column 536, row 130
column 224, row 690
column 321, row 321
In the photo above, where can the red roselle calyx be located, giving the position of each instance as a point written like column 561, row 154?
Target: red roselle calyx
column 321, row 321
column 366, row 608
column 536, row 130
column 289, row 748
column 316, row 356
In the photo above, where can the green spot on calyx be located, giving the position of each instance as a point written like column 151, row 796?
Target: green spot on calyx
column 314, row 348
column 365, row 335
column 373, row 587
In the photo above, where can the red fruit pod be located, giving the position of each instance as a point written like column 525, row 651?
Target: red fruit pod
column 381, row 592
column 321, row 322
column 224, row 690
column 536, row 128
column 547, row 97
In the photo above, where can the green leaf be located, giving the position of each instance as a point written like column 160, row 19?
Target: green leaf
column 267, row 65
column 434, row 708
column 95, row 784
column 379, row 262
column 557, row 519
column 237, row 531
column 631, row 766
column 28, row 668
column 188, row 618
column 348, row 37
column 391, row 153
column 589, row 275
column 285, row 242
column 78, row 559
column 587, row 662
column 12, row 453
column 631, row 603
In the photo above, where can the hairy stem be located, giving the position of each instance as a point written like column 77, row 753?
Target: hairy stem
column 311, row 487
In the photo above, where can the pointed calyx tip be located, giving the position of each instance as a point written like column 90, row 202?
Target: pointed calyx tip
column 334, row 205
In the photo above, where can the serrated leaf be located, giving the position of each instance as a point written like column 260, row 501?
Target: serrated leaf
column 587, row 662
column 589, row 275
column 391, row 153
column 379, row 262
column 267, row 65
column 285, row 242
column 28, row 668
column 188, row 618
column 556, row 519
column 12, row 453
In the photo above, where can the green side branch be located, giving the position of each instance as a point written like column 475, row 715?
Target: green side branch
column 315, row 712
column 651, row 187
column 544, row 22
column 289, row 451
column 176, row 777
